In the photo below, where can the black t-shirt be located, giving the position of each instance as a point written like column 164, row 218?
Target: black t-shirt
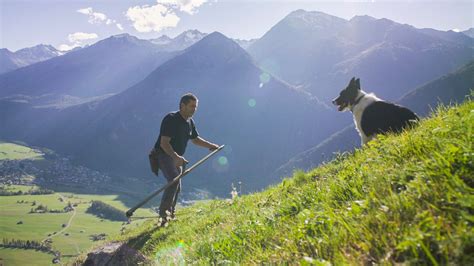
column 179, row 130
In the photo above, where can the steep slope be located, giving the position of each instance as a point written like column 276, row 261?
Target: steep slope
column 401, row 199
column 450, row 88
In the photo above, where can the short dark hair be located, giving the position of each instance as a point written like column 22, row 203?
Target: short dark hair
column 187, row 98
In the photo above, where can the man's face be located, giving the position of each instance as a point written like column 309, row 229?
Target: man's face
column 190, row 108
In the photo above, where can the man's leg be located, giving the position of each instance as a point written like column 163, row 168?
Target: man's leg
column 175, row 200
column 170, row 171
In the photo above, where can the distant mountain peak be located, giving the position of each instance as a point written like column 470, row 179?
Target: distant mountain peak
column 302, row 12
column 469, row 32
column 311, row 19
column 180, row 42
column 163, row 39
column 216, row 34
column 123, row 39
column 36, row 53
column 124, row 36
column 190, row 36
column 192, row 32
column 5, row 50
column 39, row 47
column 245, row 44
column 214, row 39
column 214, row 50
column 310, row 15
column 27, row 56
column 362, row 18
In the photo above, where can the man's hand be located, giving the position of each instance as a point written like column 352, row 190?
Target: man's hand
column 213, row 147
column 179, row 160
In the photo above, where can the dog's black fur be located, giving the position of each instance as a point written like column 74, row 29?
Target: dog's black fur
column 381, row 117
column 372, row 115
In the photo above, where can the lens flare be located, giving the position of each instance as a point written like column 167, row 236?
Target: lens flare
column 171, row 255
column 220, row 164
column 222, row 160
column 252, row 102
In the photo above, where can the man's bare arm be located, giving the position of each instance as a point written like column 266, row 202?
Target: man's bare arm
column 166, row 146
column 204, row 143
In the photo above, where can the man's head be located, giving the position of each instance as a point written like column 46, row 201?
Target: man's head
column 188, row 105
column 348, row 95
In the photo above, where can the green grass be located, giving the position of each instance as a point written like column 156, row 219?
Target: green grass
column 10, row 256
column 38, row 226
column 407, row 198
column 12, row 151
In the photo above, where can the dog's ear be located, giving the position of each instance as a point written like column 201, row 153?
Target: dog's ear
column 357, row 82
column 352, row 80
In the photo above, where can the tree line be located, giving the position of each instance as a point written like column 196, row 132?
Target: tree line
column 104, row 210
column 28, row 244
column 38, row 191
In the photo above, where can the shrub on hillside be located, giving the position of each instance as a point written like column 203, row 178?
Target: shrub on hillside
column 106, row 211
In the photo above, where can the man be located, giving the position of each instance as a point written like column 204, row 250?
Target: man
column 175, row 131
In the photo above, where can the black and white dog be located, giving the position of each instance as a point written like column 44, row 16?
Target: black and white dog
column 373, row 116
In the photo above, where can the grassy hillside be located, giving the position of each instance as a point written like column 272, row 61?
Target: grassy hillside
column 406, row 198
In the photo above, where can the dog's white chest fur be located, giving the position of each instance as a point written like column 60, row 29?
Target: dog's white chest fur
column 358, row 110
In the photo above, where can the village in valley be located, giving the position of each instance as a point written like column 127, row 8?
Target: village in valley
column 57, row 170
column 42, row 223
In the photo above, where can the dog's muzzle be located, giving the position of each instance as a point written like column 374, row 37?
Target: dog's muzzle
column 340, row 106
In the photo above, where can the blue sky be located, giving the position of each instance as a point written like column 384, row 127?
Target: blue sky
column 68, row 23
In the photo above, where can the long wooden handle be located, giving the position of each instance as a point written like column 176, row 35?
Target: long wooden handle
column 129, row 213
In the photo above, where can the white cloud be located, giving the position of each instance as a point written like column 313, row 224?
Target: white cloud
column 85, row 11
column 77, row 39
column 162, row 15
column 119, row 26
column 188, row 6
column 98, row 18
column 81, row 36
column 94, row 17
column 66, row 47
column 152, row 18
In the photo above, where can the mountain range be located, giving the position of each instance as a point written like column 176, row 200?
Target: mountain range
column 107, row 67
column 180, row 42
column 235, row 104
column 320, row 53
column 267, row 104
column 12, row 60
